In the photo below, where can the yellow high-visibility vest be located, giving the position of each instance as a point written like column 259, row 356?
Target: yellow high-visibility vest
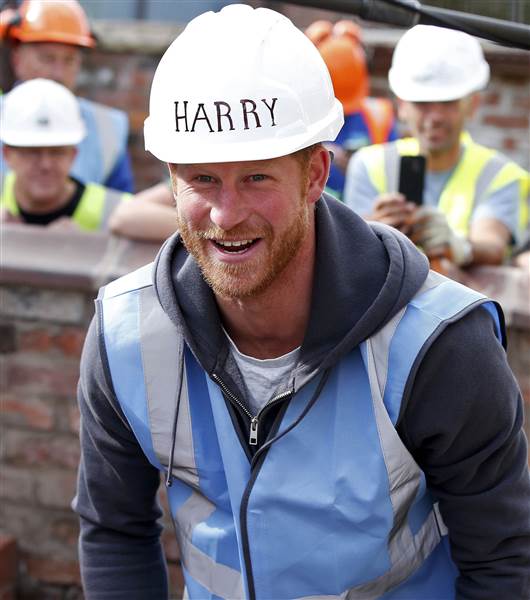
column 92, row 212
column 480, row 171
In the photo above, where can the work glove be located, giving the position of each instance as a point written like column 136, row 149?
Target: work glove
column 431, row 231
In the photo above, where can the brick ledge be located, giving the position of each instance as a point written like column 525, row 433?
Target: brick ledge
column 84, row 261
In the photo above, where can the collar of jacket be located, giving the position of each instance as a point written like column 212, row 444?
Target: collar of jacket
column 364, row 273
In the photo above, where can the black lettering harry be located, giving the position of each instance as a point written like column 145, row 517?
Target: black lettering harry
column 219, row 115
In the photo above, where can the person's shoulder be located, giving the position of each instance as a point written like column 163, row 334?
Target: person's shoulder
column 464, row 363
column 101, row 109
column 470, row 351
column 140, row 278
column 500, row 157
column 371, row 155
column 374, row 148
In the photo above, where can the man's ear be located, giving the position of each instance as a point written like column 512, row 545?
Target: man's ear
column 318, row 173
column 72, row 154
column 6, row 153
column 172, row 169
column 401, row 109
column 473, row 104
column 14, row 59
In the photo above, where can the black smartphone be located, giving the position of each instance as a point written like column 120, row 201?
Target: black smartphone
column 412, row 178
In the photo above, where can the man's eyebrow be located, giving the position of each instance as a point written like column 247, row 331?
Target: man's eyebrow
column 251, row 165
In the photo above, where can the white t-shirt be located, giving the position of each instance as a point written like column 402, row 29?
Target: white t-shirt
column 263, row 376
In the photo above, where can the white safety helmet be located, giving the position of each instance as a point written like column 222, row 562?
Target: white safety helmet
column 41, row 113
column 434, row 64
column 240, row 84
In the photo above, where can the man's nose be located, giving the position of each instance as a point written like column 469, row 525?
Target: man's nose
column 58, row 72
column 45, row 158
column 229, row 208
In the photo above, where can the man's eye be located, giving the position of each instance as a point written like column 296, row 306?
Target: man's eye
column 204, row 178
column 258, row 177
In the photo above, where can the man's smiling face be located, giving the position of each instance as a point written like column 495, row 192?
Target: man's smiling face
column 243, row 222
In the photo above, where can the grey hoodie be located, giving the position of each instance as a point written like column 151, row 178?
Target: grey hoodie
column 461, row 414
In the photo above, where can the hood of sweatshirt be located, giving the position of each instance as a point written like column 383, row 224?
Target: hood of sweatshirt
column 364, row 274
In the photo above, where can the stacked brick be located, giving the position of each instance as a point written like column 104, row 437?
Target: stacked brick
column 8, row 567
column 502, row 120
column 42, row 328
column 42, row 334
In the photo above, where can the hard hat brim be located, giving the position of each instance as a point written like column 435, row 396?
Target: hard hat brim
column 60, row 38
column 413, row 91
column 40, row 140
column 421, row 93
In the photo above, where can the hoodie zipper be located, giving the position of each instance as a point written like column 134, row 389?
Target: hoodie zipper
column 254, row 419
column 253, row 441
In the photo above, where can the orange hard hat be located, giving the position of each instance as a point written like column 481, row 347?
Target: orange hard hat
column 59, row 21
column 340, row 47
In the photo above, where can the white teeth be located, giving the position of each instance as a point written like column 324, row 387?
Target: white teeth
column 230, row 244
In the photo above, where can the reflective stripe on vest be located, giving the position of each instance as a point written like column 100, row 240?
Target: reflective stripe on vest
column 96, row 206
column 355, row 522
column 479, row 171
column 92, row 212
column 7, row 194
column 109, row 141
column 106, row 140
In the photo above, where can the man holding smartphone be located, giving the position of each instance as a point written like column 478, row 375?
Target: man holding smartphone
column 473, row 205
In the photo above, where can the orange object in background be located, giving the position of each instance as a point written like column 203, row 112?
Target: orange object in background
column 439, row 264
column 60, row 21
column 340, row 47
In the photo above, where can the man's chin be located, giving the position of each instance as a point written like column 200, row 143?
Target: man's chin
column 234, row 283
column 44, row 192
column 436, row 143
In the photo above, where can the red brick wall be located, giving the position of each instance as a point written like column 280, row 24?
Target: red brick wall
column 503, row 119
column 40, row 453
column 124, row 81
column 8, row 567
column 43, row 321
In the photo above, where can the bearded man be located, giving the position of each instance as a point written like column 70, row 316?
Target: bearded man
column 308, row 389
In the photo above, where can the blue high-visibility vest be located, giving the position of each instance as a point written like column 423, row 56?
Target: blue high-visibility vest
column 104, row 146
column 335, row 507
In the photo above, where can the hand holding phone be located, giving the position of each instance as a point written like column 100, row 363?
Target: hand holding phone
column 392, row 209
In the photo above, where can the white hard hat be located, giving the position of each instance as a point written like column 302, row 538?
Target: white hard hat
column 240, row 84
column 41, row 113
column 434, row 64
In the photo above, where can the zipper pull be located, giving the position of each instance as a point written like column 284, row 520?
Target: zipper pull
column 253, row 440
